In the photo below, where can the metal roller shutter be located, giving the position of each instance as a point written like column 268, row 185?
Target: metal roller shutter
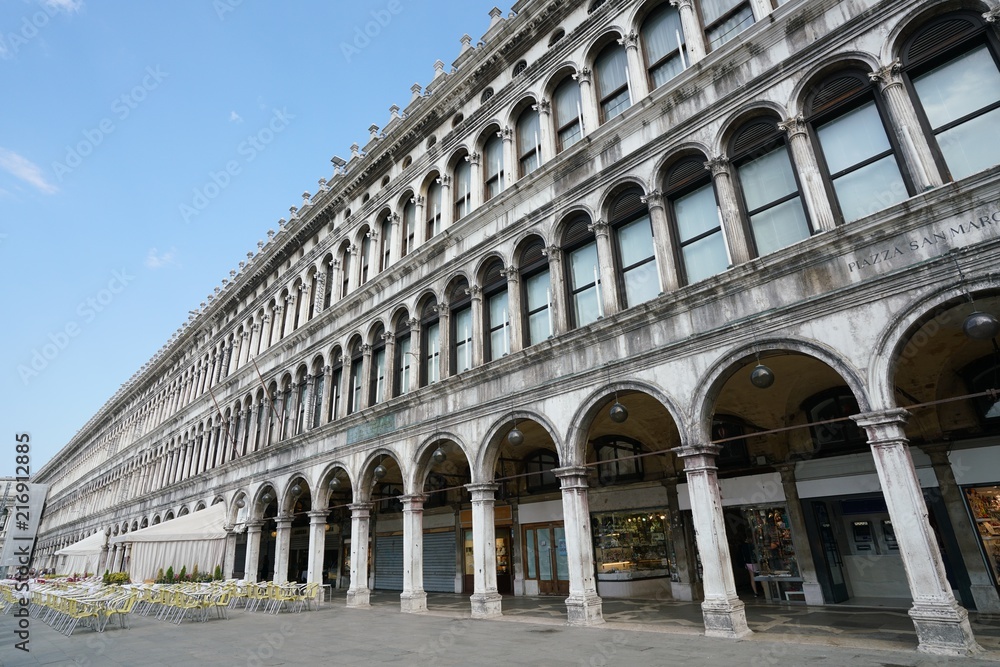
column 389, row 562
column 439, row 562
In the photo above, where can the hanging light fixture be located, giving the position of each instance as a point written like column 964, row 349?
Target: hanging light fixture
column 618, row 411
column 977, row 325
column 266, row 498
column 380, row 470
column 241, row 503
column 439, row 456
column 334, row 484
column 761, row 376
column 296, row 490
column 514, row 436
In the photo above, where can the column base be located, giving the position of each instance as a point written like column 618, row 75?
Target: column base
column 687, row 592
column 413, row 603
column 725, row 618
column 487, row 605
column 813, row 594
column 584, row 610
column 943, row 629
column 360, row 597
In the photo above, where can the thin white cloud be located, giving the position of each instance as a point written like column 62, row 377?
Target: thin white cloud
column 157, row 260
column 68, row 6
column 235, row 117
column 26, row 170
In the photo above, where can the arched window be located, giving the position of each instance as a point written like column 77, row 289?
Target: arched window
column 724, row 19
column 537, row 294
column 357, row 377
column 287, row 413
column 519, row 67
column 409, row 226
column 769, row 186
column 319, row 388
column 493, row 172
column 460, row 304
column 618, row 460
column 385, row 243
column 430, row 343
column 694, row 213
column 953, row 68
column 633, row 232
column 663, row 45
column 538, row 467
column 345, row 270
column 336, row 382
column 378, row 378
column 300, row 402
column 497, row 313
column 611, row 75
column 584, row 273
column 856, row 152
column 328, row 283
column 404, row 358
column 836, row 403
column 433, row 209
column 462, row 182
column 487, row 94
column 568, row 113
column 529, row 144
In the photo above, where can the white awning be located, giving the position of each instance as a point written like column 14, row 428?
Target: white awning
column 82, row 557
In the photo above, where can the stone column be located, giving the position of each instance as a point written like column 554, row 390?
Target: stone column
column 638, row 81
column 476, row 293
column 663, row 242
column 486, row 601
column 729, row 211
column 558, row 310
column 811, row 587
column 475, row 181
column 916, row 149
column 337, row 276
column 546, row 136
column 320, row 291
column 103, row 561
column 127, row 559
column 119, row 556
column 304, row 311
column 447, row 203
column 310, row 406
column 588, row 102
column 510, row 162
column 983, row 591
column 444, row 338
column 317, row 547
column 682, row 585
column 419, row 222
column 229, row 565
column 328, row 390
column 942, row 624
column 390, row 364
column 358, row 595
column 281, row 547
column 413, row 599
column 355, row 267
column 805, row 163
column 515, row 311
column 252, row 561
column 583, row 606
column 694, row 38
column 722, row 610
column 761, row 8
column 415, row 348
column 607, row 291
column 366, row 377
column 396, row 243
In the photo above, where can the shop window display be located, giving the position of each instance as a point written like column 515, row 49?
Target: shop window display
column 984, row 505
column 634, row 545
column 772, row 539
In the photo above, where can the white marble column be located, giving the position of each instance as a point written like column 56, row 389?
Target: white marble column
column 917, row 153
column 583, row 606
column 419, row 222
column 359, row 595
column 252, row 561
column 588, row 102
column 486, row 601
column 729, row 211
column 317, row 547
column 475, row 181
column 229, row 565
column 546, row 136
column 281, row 547
column 663, row 244
column 510, row 162
column 447, row 203
column 476, row 294
column 515, row 311
column 694, row 38
column 637, row 79
column 413, row 599
column 608, row 289
column 722, row 610
column 941, row 623
column 416, row 354
column 396, row 242
column 805, row 162
column 558, row 310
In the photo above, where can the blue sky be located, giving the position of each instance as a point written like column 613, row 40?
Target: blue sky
column 116, row 115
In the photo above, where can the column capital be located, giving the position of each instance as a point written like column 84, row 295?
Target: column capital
column 506, row 134
column 284, row 520
column 572, row 477
column 699, row 457
column 511, row 273
column 474, row 291
column 793, row 126
column 885, row 427
column 599, row 228
column 360, row 510
column 445, row 181
column 888, row 75
column 583, row 76
column 653, row 200
column 413, row 502
column 483, row 491
column 992, row 16
column 317, row 516
column 682, row 4
column 630, row 41
column 413, row 323
column 394, row 218
column 544, row 106
column 389, row 337
column 254, row 526
column 718, row 165
column 473, row 159
column 366, row 350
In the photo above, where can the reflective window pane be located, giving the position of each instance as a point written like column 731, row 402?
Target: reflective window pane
column 635, row 241
column 696, row 212
column 853, row 137
column 537, row 290
column 959, row 87
column 583, row 265
column 767, row 178
column 972, row 146
column 705, row 257
column 871, row 188
column 585, row 306
column 641, row 284
column 729, row 28
column 779, row 226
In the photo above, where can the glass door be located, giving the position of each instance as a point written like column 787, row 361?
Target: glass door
column 834, row 585
column 545, row 558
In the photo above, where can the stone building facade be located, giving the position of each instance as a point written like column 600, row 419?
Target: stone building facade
column 640, row 298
